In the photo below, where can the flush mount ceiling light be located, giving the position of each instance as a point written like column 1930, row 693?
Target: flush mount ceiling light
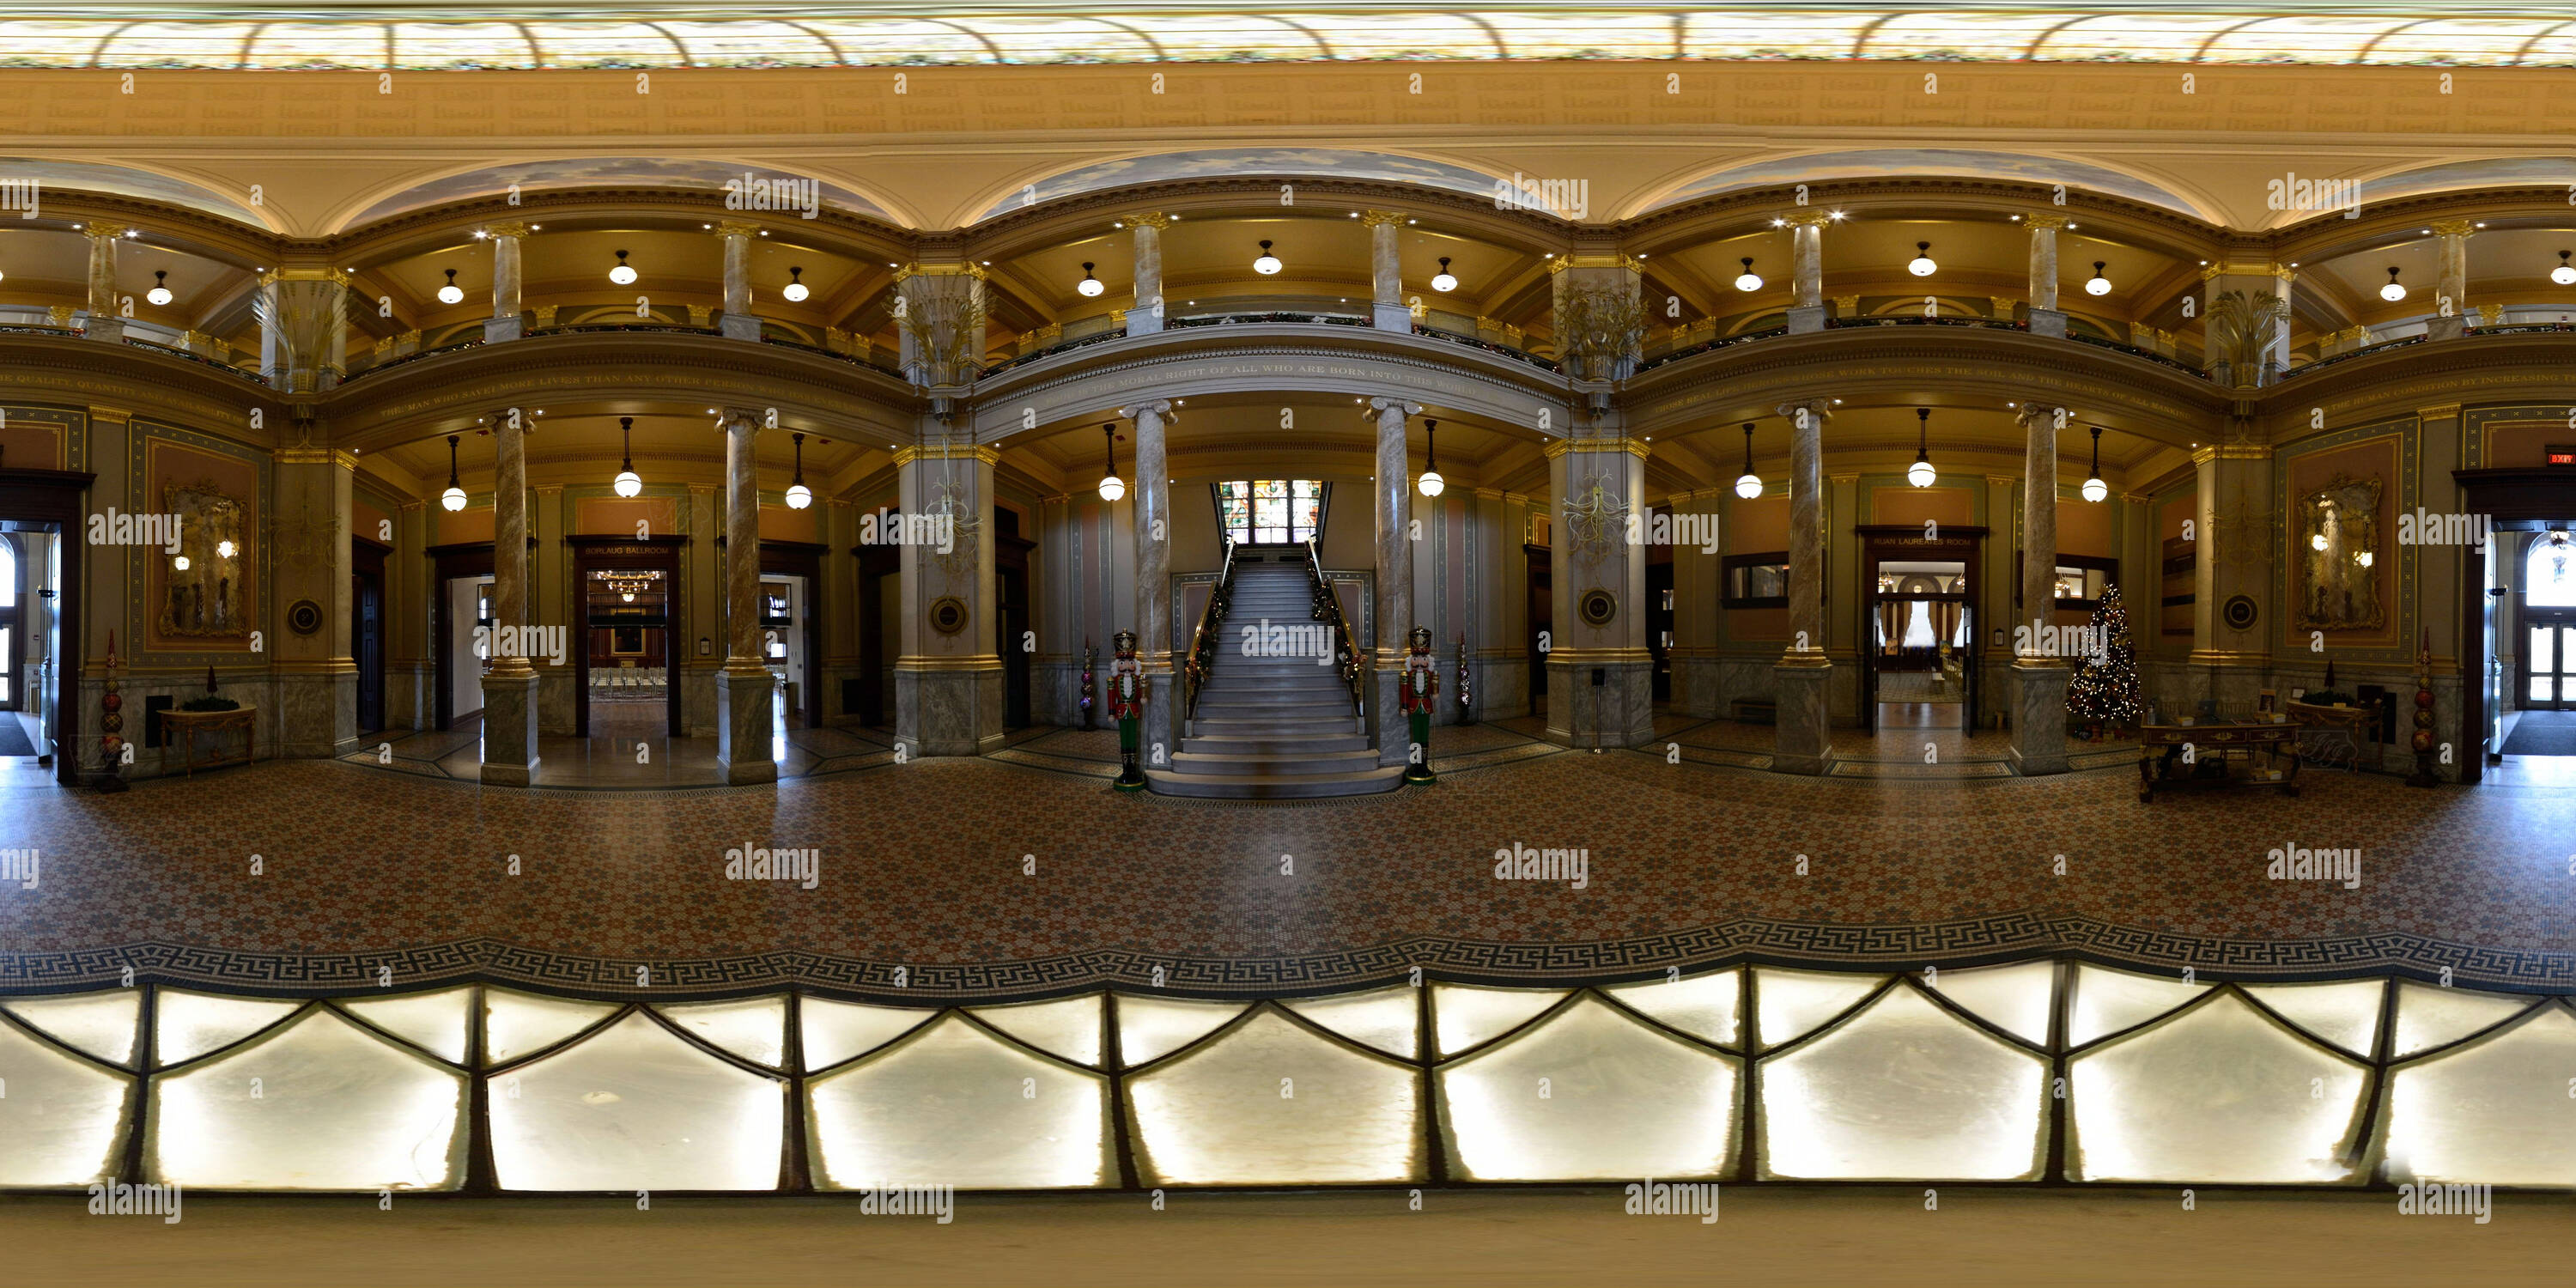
column 794, row 292
column 1444, row 280
column 1921, row 265
column 628, row 483
column 1920, row 473
column 1111, row 486
column 1431, row 483
column 225, row 549
column 1748, row 280
column 1268, row 263
column 623, row 274
column 2099, row 285
column 2392, row 292
column 451, row 293
column 798, row 495
column 2094, row 488
column 1748, row 484
column 454, row 497
column 1089, row 285
column 160, row 292
column 2565, row 273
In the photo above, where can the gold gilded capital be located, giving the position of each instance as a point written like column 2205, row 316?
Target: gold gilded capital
column 2050, row 222
column 1378, row 218
column 507, row 228
column 737, row 228
column 1151, row 219
column 2453, row 227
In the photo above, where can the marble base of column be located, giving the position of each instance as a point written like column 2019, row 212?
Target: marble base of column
column 1393, row 317
column 496, row 330
column 743, row 724
column 1142, row 321
column 1618, row 711
column 738, row 326
column 2038, row 719
column 2048, row 322
column 1162, row 723
column 510, row 729
column 109, row 329
column 1387, row 722
column 1803, row 739
column 2439, row 328
column 1807, row 317
column 317, row 713
column 950, row 711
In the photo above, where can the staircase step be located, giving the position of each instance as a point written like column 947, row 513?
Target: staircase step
column 1275, row 786
column 1264, row 727
column 1223, row 763
column 1274, row 744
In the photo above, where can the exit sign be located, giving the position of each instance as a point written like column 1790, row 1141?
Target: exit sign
column 2561, row 454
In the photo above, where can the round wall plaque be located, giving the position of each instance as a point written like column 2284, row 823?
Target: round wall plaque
column 948, row 614
column 1596, row 607
column 2240, row 613
column 304, row 617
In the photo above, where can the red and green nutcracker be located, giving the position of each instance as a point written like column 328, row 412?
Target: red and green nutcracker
column 1126, row 706
column 1416, row 695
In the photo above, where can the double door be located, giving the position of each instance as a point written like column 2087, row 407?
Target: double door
column 2546, row 672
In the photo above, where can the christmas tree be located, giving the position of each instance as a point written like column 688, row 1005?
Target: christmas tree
column 2105, row 691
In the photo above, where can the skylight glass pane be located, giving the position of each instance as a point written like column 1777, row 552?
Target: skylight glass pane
column 952, row 1105
column 2106, row 1001
column 1155, row 1026
column 2428, row 1016
column 436, row 1021
column 720, row 44
column 1208, row 36
column 191, row 44
column 2013, row 998
column 634, row 1108
column 1389, row 1019
column 603, row 44
column 1703, row 1006
column 1951, row 34
column 1272, row 1103
column 1774, row 34
column 754, row 1028
column 2481, row 42
column 186, row 1025
column 62, row 1121
column 1463, row 1015
column 2496, row 1111
column 1904, row 1091
column 2300, row 40
column 881, row 42
column 318, row 1105
column 314, row 44
column 519, row 1024
column 1051, row 40
column 460, row 44
column 835, row 1031
column 101, row 1024
column 1794, row 1002
column 1592, row 1094
column 2344, row 1013
column 1068, row 1027
column 2219, row 1096
column 2134, row 37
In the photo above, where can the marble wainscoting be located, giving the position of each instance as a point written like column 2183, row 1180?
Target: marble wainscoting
column 834, row 677
column 151, row 761
column 698, row 700
column 746, row 712
column 556, row 713
column 1502, row 685
column 953, row 711
column 317, row 711
column 1709, row 687
column 1617, row 712
column 1055, row 689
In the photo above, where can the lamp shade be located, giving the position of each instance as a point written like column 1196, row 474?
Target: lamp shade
column 451, row 293
column 2392, row 292
column 1444, row 280
column 794, row 292
column 2098, row 285
column 1748, row 280
column 623, row 274
column 1267, row 263
column 1921, row 265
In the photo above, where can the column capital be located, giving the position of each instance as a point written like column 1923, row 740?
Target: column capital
column 2440, row 411
column 2453, row 227
column 1157, row 407
column 737, row 228
column 1810, row 219
column 1820, row 408
column 2030, row 411
column 757, row 417
column 1377, row 218
column 1565, row 446
column 97, row 231
column 1150, row 219
column 2286, row 273
column 506, row 228
column 97, row 412
column 918, row 269
column 985, row 453
column 2050, row 223
column 303, row 273
column 494, row 419
column 1382, row 404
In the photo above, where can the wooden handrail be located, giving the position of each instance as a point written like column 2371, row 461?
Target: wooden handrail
column 1202, row 655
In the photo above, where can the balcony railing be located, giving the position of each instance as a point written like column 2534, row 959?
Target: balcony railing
column 200, row 359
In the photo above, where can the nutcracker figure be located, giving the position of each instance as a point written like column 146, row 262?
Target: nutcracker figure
column 1416, row 694
column 1126, row 705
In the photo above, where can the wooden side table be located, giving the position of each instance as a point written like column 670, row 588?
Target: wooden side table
column 2222, row 742
column 184, row 726
column 2332, row 734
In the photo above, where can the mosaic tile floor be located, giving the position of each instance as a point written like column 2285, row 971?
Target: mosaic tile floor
column 925, row 867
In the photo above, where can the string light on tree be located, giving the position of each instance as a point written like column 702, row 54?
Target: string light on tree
column 2105, row 690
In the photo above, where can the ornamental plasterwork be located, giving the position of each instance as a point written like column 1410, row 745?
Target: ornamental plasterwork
column 1593, row 522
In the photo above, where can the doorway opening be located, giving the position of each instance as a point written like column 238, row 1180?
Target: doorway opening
column 1919, row 651
column 2536, row 705
column 367, row 629
column 627, row 677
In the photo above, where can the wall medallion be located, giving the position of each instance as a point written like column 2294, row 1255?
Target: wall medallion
column 2240, row 613
column 948, row 614
column 304, row 617
column 1596, row 607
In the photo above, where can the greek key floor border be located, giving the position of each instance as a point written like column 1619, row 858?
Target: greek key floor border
column 1950, row 945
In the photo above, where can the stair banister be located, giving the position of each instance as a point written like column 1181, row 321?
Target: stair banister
column 1203, row 639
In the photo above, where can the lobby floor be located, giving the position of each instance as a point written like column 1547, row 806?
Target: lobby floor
column 1020, row 874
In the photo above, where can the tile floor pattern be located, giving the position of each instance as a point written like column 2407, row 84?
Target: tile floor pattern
column 922, row 867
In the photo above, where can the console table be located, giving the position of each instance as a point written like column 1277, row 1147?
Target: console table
column 2222, row 743
column 2338, row 734
column 184, row 726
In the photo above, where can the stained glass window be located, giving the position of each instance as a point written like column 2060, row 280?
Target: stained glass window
column 1270, row 512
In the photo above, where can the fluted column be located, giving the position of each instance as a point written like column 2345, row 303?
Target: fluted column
column 2039, row 670
column 1161, row 730
column 505, row 323
column 1807, row 270
column 1386, row 274
column 2451, row 291
column 105, row 320
column 1392, row 500
column 1145, row 317
column 2045, row 319
column 738, row 322
column 1803, row 742
column 510, row 687
column 745, row 691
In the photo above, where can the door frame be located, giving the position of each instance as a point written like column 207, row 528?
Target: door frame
column 2524, row 618
column 54, row 497
column 802, row 559
column 367, row 584
column 876, row 563
column 1966, row 543
column 663, row 554
column 449, row 563
column 2518, row 498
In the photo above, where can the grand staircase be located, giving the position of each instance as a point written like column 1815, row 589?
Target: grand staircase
column 1272, row 728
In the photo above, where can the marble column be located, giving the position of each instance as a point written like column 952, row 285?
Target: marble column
column 317, row 677
column 1698, row 585
column 1807, row 270
column 745, row 691
column 303, row 314
column 1393, row 505
column 1600, row 674
column 1498, row 627
column 738, row 321
column 2239, row 523
column 105, row 319
column 2276, row 340
column 948, row 683
column 1803, row 739
column 1386, row 274
column 2451, row 290
column 1160, row 728
column 2045, row 319
column 2039, row 673
column 1145, row 317
column 505, row 322
column 510, row 687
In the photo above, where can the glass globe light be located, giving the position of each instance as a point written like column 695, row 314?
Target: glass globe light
column 451, row 293
column 1112, row 487
column 1268, row 263
column 794, row 292
column 1431, row 483
column 1089, row 285
column 2565, row 273
column 225, row 549
column 799, row 496
column 1748, row 280
column 1920, row 474
column 2317, row 542
column 2095, row 489
column 629, row 483
column 623, row 274
column 179, row 562
column 453, row 498
column 2392, row 292
column 1444, row 280
column 1921, row 265
column 2099, row 285
column 160, row 292
column 1748, row 486
column 627, row 596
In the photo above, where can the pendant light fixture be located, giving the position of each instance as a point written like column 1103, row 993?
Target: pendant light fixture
column 1920, row 473
column 2565, row 273
column 2100, row 285
column 1089, row 285
column 2392, row 292
column 799, row 496
column 1748, row 280
column 1268, row 263
column 794, row 292
column 1444, row 280
column 1748, row 484
column 1431, row 483
column 2094, row 488
column 451, row 293
column 623, row 274
column 629, row 483
column 160, row 292
column 1111, row 486
column 454, row 497
column 1921, row 265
